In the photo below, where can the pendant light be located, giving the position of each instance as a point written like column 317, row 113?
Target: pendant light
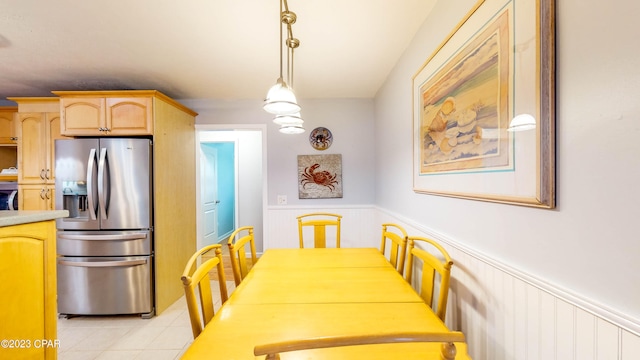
column 290, row 124
column 280, row 100
column 291, row 129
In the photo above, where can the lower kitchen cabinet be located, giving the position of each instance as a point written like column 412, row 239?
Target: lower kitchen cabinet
column 28, row 291
column 36, row 197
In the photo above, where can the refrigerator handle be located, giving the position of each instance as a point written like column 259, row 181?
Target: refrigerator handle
column 103, row 263
column 84, row 237
column 90, row 185
column 103, row 185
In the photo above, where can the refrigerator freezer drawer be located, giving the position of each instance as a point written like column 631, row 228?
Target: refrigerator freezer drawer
column 105, row 285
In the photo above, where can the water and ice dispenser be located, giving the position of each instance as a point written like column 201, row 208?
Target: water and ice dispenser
column 74, row 198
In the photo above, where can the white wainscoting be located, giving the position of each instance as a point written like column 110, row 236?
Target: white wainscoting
column 505, row 314
column 282, row 226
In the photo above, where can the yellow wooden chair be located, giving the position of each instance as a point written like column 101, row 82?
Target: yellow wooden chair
column 319, row 222
column 237, row 250
column 396, row 236
column 430, row 265
column 193, row 277
column 447, row 351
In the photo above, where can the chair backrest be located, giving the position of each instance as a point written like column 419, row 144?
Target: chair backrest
column 237, row 243
column 396, row 236
column 319, row 222
column 431, row 265
column 448, row 349
column 193, row 277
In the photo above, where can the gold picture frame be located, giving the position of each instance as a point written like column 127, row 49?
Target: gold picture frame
column 497, row 65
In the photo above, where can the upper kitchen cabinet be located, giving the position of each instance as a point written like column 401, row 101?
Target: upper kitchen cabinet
column 7, row 126
column 36, row 154
column 38, row 126
column 107, row 113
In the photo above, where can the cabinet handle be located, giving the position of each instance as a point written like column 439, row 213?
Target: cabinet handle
column 13, row 138
column 42, row 194
column 47, row 174
column 47, row 194
column 42, row 174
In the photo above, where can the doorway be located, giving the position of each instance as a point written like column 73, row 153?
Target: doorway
column 218, row 195
column 231, row 181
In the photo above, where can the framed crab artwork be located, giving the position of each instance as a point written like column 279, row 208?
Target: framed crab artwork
column 319, row 176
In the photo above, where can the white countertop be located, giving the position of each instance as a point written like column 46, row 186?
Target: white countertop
column 8, row 218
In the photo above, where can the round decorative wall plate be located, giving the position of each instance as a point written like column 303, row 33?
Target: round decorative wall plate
column 320, row 138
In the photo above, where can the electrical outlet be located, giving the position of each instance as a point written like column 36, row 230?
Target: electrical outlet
column 282, row 199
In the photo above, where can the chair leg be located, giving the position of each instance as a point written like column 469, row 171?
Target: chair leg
column 448, row 351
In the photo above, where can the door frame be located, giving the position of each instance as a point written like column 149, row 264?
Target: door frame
column 262, row 128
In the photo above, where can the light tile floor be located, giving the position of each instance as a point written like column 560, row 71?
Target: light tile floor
column 165, row 336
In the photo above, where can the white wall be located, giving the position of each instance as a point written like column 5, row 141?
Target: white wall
column 589, row 244
column 350, row 121
column 250, row 183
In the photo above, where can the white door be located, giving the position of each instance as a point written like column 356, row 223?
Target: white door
column 209, row 193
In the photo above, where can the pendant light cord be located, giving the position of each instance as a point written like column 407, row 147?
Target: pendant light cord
column 281, row 39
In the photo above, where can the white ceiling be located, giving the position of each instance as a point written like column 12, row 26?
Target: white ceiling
column 201, row 49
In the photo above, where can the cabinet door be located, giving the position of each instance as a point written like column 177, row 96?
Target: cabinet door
column 28, row 254
column 82, row 116
column 7, row 127
column 32, row 148
column 129, row 116
column 36, row 197
column 53, row 132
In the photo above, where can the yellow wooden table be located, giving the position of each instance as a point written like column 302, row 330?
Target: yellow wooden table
column 323, row 285
column 322, row 258
column 291, row 294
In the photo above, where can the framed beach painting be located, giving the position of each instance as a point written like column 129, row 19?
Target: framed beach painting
column 484, row 107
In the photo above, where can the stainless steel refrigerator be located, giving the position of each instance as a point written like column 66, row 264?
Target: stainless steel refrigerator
column 105, row 246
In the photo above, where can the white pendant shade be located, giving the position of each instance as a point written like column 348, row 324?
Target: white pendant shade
column 291, row 119
column 291, row 129
column 290, row 124
column 281, row 100
column 522, row 122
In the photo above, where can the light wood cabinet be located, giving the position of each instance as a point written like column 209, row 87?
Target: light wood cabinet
column 7, row 126
column 37, row 128
column 36, row 197
column 28, row 291
column 37, row 133
column 99, row 115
